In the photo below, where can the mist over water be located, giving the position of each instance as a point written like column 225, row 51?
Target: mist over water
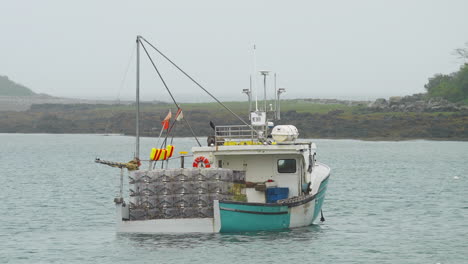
column 387, row 202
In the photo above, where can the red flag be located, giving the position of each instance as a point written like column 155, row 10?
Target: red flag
column 165, row 122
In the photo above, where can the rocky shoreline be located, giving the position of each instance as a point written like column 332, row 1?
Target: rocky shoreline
column 398, row 118
column 337, row 101
column 419, row 103
column 415, row 103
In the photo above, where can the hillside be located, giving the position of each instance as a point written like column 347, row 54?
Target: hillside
column 10, row 88
column 314, row 120
column 420, row 116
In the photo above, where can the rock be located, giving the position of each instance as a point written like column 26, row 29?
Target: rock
column 395, row 100
column 415, row 103
column 380, row 103
column 336, row 101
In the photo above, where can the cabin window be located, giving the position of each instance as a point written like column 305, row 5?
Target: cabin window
column 220, row 163
column 287, row 166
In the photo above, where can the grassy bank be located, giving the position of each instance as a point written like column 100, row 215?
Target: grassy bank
column 313, row 120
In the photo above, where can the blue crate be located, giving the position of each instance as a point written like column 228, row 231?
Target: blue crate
column 276, row 193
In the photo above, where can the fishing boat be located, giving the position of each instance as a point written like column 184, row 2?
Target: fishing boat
column 252, row 176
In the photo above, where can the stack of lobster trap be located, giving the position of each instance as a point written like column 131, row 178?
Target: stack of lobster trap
column 181, row 193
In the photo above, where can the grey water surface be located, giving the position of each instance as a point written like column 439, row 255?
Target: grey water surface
column 387, row 202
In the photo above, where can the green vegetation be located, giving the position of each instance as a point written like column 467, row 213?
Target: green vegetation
column 10, row 88
column 453, row 87
column 411, row 117
column 313, row 120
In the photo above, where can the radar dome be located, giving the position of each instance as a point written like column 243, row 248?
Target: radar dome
column 285, row 133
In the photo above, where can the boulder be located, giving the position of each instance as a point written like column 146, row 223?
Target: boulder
column 415, row 103
column 395, row 100
column 380, row 103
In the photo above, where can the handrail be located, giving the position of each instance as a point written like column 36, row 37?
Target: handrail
column 235, row 132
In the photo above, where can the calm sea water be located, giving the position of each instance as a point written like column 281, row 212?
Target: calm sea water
column 387, row 202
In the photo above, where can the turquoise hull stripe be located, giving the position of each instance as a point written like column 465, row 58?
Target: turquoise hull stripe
column 319, row 198
column 245, row 218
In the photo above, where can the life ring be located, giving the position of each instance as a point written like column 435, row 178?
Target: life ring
column 201, row 160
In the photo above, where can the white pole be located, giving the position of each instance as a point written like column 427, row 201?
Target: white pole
column 121, row 183
column 250, row 96
column 274, row 96
column 137, row 145
column 255, row 77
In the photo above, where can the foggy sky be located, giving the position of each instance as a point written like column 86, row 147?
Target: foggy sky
column 320, row 49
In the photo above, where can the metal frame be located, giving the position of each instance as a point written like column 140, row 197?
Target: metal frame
column 235, row 133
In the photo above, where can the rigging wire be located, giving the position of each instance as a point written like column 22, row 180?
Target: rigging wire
column 167, row 88
column 199, row 85
column 167, row 134
column 124, row 79
column 193, row 133
column 122, row 84
column 159, row 74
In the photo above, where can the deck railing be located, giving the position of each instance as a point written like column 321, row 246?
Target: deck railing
column 235, row 133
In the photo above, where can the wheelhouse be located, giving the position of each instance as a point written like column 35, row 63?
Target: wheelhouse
column 290, row 164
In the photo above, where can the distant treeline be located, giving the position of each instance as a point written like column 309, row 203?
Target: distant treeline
column 453, row 87
column 331, row 122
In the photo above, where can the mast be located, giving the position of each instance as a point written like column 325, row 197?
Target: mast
column 274, row 100
column 248, row 92
column 264, row 73
column 137, row 145
column 250, row 96
column 264, row 92
column 255, row 77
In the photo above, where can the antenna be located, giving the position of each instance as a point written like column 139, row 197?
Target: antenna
column 248, row 92
column 250, row 96
column 265, row 74
column 254, row 75
column 278, row 110
column 274, row 97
